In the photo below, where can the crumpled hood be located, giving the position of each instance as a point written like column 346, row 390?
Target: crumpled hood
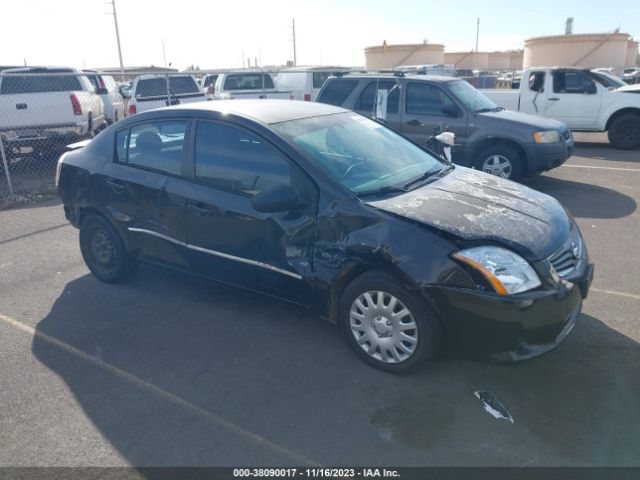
column 534, row 121
column 477, row 206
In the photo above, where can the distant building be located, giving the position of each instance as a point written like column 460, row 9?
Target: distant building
column 132, row 72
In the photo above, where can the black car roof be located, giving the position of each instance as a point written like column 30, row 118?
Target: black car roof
column 265, row 111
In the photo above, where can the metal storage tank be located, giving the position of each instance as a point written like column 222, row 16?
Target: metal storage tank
column 632, row 53
column 468, row 60
column 499, row 61
column 389, row 56
column 588, row 50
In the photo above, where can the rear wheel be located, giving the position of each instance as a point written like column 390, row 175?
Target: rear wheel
column 387, row 326
column 624, row 132
column 501, row 160
column 103, row 250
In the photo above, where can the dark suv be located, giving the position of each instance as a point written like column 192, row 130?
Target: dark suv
column 489, row 138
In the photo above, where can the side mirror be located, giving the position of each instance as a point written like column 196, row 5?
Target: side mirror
column 450, row 110
column 102, row 91
column 278, row 198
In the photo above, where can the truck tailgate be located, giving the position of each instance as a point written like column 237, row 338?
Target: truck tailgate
column 22, row 110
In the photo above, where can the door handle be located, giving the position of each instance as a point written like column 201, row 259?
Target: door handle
column 115, row 185
column 554, row 99
column 415, row 123
column 199, row 209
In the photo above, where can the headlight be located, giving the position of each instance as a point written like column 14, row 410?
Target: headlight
column 507, row 271
column 548, row 136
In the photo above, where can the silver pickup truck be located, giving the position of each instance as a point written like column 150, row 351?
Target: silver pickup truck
column 243, row 84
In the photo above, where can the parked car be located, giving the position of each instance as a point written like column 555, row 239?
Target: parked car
column 109, row 93
column 631, row 75
column 43, row 109
column 578, row 97
column 156, row 91
column 488, row 138
column 208, row 84
column 247, row 84
column 328, row 209
column 305, row 82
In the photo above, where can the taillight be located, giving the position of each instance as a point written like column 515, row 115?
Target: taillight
column 101, row 83
column 132, row 109
column 307, row 97
column 77, row 109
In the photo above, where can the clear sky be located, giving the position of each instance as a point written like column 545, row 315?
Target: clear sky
column 214, row 33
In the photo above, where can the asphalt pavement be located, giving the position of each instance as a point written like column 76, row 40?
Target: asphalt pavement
column 173, row 370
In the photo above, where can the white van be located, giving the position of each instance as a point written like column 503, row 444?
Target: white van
column 305, row 82
column 108, row 90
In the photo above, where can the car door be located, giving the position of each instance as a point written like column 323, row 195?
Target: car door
column 143, row 189
column 575, row 99
column 430, row 110
column 231, row 241
column 366, row 102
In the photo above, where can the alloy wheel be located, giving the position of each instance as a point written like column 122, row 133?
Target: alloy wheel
column 498, row 165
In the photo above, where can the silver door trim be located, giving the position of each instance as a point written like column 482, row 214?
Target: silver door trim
column 247, row 261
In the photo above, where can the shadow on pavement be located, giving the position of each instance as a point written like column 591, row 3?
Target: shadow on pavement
column 281, row 373
column 604, row 151
column 583, row 199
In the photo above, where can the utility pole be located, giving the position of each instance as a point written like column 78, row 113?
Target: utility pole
column 295, row 60
column 477, row 33
column 115, row 20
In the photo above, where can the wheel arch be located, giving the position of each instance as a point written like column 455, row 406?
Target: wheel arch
column 618, row 113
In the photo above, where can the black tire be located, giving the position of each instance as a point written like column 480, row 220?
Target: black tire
column 624, row 132
column 103, row 250
column 429, row 336
column 510, row 154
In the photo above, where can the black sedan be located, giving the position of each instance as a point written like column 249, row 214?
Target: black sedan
column 325, row 208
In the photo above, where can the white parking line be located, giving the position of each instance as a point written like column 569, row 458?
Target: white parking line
column 160, row 392
column 604, row 168
column 613, row 292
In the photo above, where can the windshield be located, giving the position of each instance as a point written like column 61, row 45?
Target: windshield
column 358, row 152
column 608, row 81
column 470, row 97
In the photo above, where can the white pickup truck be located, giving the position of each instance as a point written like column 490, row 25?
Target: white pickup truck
column 584, row 100
column 243, row 84
column 156, row 91
column 44, row 108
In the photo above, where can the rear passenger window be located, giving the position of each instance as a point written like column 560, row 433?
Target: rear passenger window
column 366, row 101
column 233, row 159
column 536, row 81
column 157, row 145
column 337, row 91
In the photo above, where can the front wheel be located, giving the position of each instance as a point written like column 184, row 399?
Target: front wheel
column 103, row 250
column 501, row 160
column 387, row 326
column 624, row 132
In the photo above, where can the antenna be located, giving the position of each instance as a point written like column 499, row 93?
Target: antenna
column 166, row 73
column 293, row 31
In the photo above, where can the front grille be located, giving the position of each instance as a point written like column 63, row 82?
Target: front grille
column 567, row 259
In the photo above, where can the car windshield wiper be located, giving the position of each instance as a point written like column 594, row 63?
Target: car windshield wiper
column 381, row 190
column 426, row 175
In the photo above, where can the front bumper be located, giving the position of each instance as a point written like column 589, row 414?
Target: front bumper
column 545, row 156
column 487, row 326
